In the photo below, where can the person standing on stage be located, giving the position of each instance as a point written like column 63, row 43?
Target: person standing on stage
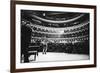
column 45, row 46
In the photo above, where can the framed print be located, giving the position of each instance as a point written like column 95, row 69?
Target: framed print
column 52, row 36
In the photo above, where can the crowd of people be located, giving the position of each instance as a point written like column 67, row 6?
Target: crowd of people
column 41, row 43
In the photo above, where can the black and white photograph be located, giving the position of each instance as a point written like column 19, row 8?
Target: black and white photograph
column 50, row 36
column 54, row 36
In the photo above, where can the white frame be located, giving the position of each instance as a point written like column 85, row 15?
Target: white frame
column 51, row 64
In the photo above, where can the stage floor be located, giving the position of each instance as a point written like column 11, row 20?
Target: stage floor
column 52, row 56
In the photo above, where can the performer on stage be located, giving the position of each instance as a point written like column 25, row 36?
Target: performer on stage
column 45, row 46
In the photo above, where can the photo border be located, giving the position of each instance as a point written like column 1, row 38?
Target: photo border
column 13, row 35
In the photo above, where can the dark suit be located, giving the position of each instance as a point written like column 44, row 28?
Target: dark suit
column 25, row 40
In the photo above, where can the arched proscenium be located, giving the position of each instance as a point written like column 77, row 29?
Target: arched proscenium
column 58, row 22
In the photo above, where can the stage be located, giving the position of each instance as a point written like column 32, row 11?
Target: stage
column 53, row 56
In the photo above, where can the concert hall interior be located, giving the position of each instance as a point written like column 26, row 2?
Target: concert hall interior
column 54, row 36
